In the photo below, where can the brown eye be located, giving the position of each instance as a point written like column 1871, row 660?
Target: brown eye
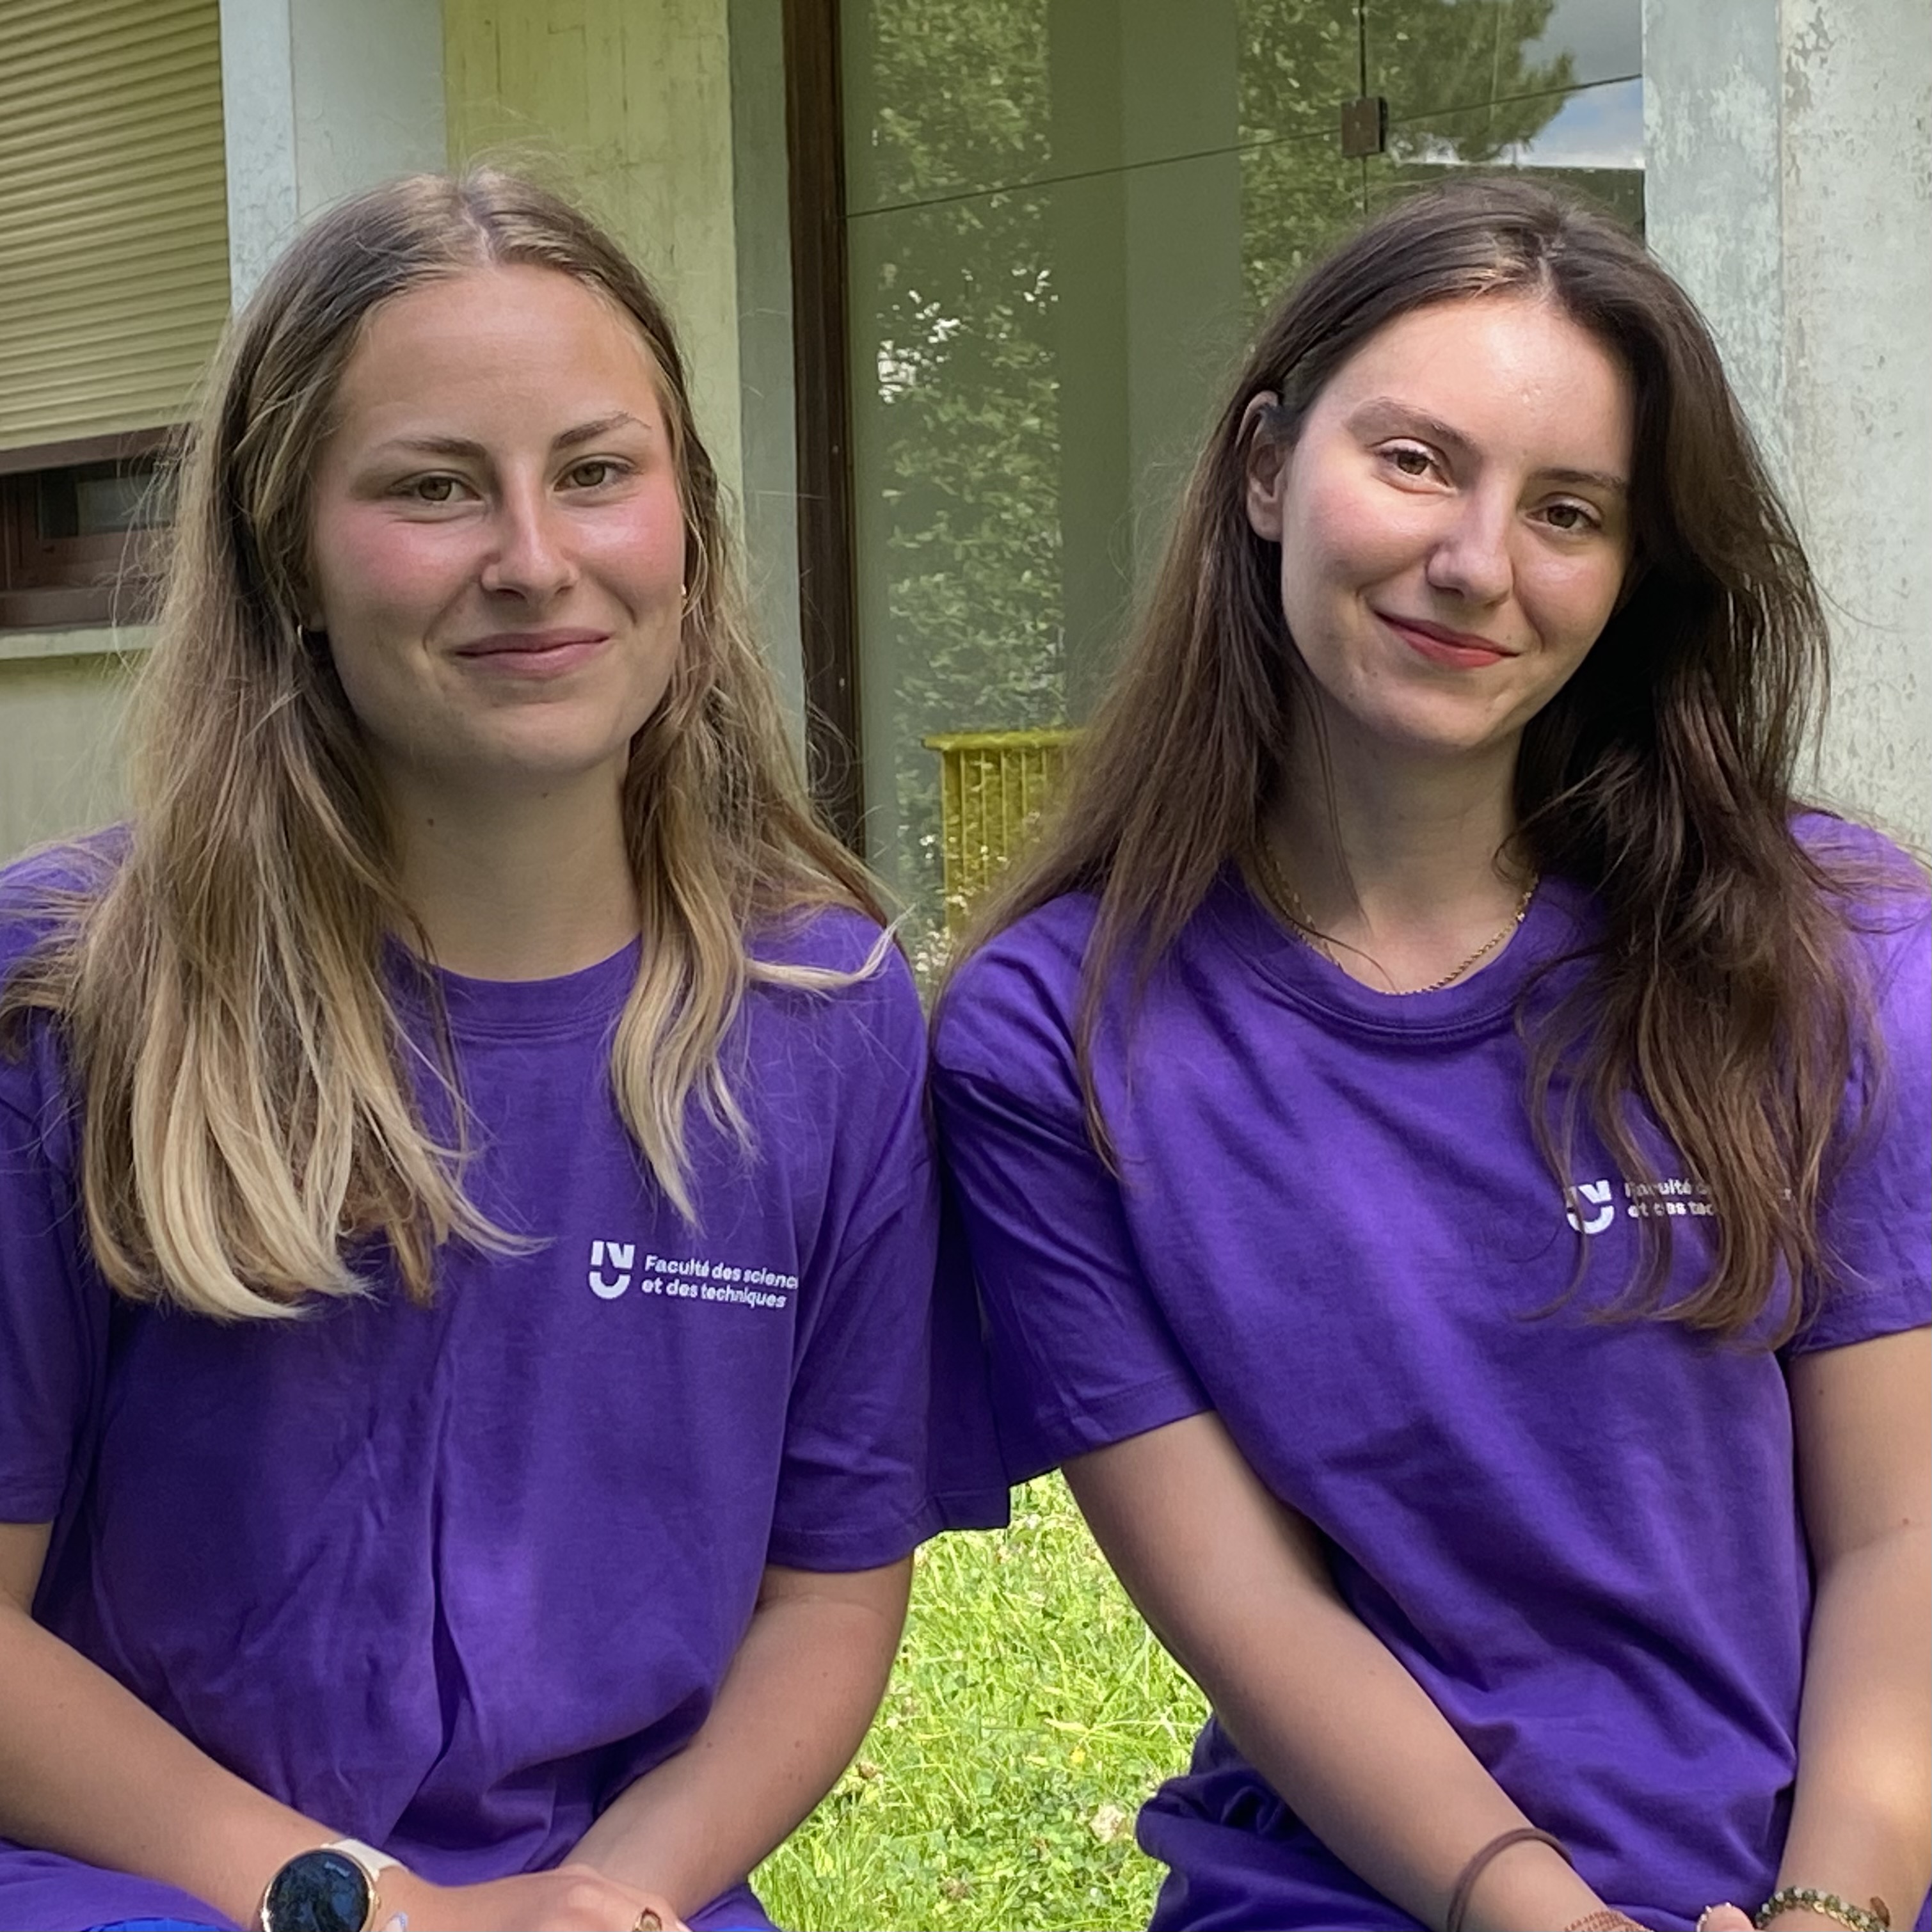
column 1569, row 517
column 593, row 474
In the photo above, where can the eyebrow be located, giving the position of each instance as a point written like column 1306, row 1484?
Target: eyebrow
column 574, row 438
column 1386, row 414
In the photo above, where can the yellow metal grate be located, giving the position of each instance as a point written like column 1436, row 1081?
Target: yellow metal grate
column 992, row 785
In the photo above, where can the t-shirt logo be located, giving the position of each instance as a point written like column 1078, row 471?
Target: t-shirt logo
column 622, row 1255
column 614, row 1267
column 1589, row 1207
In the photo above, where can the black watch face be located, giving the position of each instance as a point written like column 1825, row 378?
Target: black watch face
column 319, row 1891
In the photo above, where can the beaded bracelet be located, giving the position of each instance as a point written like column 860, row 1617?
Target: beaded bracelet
column 1827, row 1905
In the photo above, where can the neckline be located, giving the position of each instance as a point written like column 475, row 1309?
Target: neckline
column 1557, row 921
column 584, row 1001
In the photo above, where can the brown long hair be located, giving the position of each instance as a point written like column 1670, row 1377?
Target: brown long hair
column 246, row 1078
column 1662, row 776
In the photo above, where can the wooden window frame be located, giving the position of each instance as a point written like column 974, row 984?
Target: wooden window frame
column 63, row 582
column 814, row 142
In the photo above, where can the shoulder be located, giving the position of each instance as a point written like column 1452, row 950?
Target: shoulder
column 43, row 896
column 1013, row 1000
column 836, row 975
column 824, row 938
column 47, row 889
column 1877, row 880
column 1884, row 897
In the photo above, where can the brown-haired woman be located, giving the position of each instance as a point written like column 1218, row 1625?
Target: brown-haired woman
column 1444, row 1140
column 466, row 1217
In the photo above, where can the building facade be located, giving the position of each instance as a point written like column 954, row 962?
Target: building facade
column 959, row 279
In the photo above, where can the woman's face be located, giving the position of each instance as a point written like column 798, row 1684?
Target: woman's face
column 1454, row 522
column 498, row 541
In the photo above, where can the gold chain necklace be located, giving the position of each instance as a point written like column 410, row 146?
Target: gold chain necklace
column 1288, row 901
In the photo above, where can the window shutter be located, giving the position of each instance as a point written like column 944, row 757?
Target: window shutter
column 113, row 213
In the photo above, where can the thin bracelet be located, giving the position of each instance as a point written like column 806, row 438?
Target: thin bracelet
column 1523, row 1834
column 1827, row 1905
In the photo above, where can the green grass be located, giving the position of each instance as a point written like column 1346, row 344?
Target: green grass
column 1030, row 1714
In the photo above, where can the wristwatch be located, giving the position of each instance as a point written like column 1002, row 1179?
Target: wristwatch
column 330, row 1889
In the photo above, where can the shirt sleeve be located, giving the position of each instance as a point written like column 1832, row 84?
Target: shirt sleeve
column 1082, row 1356
column 1877, row 1219
column 53, row 1314
column 889, row 1432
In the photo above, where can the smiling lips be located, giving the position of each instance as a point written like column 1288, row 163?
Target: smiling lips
column 534, row 653
column 1455, row 650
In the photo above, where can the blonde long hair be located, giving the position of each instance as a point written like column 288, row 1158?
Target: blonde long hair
column 221, row 986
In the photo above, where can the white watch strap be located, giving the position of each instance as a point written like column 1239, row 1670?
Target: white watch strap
column 371, row 1861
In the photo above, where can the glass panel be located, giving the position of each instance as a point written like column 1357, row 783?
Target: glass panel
column 1591, row 140
column 1603, row 39
column 1067, row 214
column 942, row 98
column 1032, row 375
column 1297, row 199
column 102, row 499
column 945, row 98
column 107, row 501
column 1426, row 56
column 1301, row 59
column 956, row 447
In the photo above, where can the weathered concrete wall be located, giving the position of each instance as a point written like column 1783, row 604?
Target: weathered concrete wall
column 1857, row 181
column 667, row 117
column 633, row 98
column 1789, row 185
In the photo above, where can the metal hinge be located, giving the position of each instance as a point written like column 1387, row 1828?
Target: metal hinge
column 1364, row 126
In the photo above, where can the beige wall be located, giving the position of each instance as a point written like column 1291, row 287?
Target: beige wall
column 62, row 696
column 630, row 100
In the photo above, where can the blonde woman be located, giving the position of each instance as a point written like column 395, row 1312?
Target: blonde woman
column 465, row 1220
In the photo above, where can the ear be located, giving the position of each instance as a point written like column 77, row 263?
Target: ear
column 1266, row 463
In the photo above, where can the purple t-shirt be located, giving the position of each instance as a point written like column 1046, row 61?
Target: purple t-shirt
column 448, row 1578
column 1335, row 1231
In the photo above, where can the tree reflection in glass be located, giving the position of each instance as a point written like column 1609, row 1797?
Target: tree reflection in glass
column 1063, row 214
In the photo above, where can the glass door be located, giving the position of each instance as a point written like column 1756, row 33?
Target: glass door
column 1063, row 217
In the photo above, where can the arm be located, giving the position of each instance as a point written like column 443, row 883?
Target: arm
column 1859, row 1821
column 87, row 1770
column 1237, row 1588
column 791, row 1711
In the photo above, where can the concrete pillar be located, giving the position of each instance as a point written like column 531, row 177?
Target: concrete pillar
column 666, row 118
column 321, row 98
column 1788, row 158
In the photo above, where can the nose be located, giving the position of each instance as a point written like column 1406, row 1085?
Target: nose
column 529, row 555
column 1471, row 558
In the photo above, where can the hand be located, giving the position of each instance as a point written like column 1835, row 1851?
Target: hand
column 1734, row 1918
column 572, row 1898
